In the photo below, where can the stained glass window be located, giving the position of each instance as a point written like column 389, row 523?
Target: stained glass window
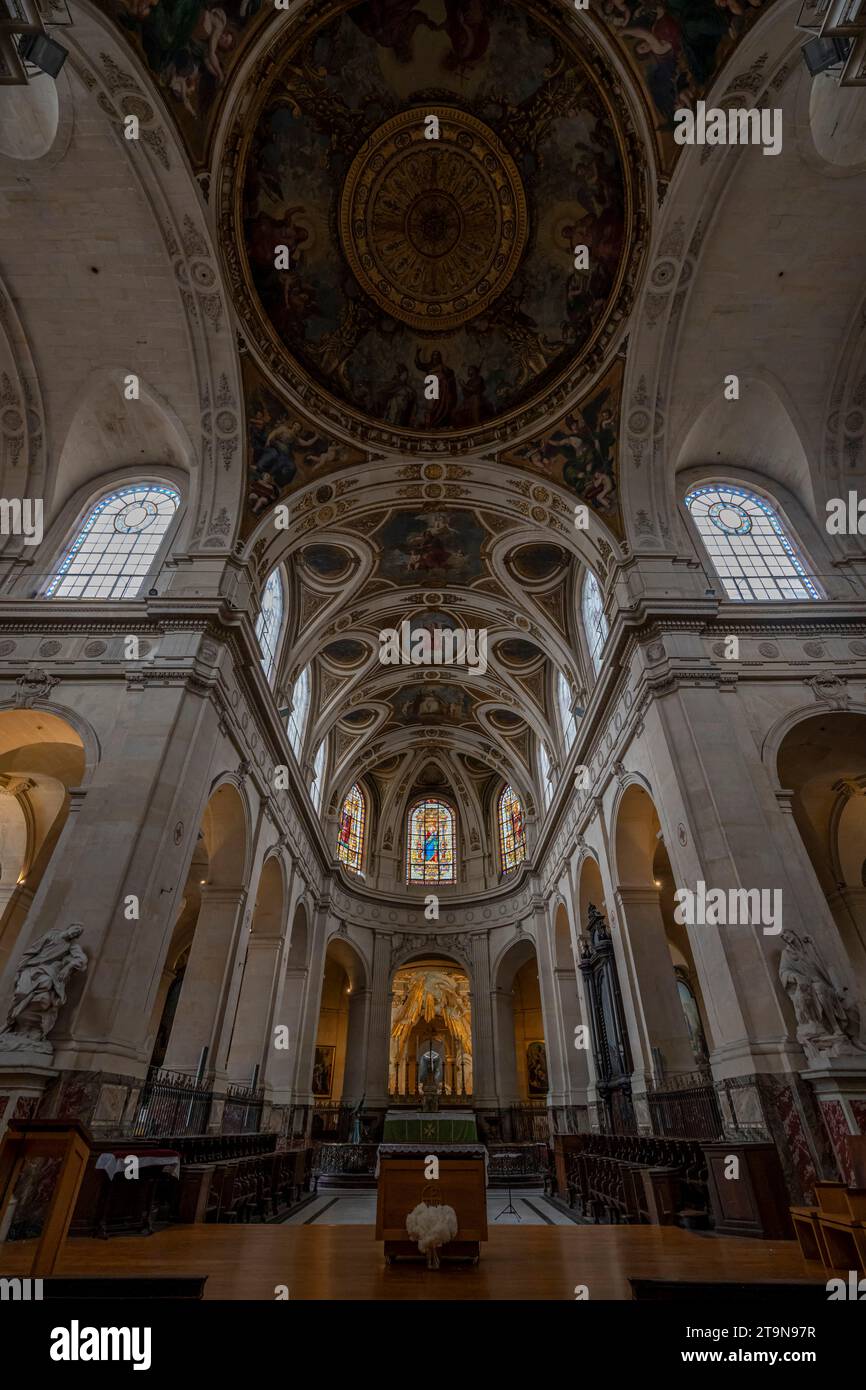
column 594, row 622
column 270, row 622
column 300, row 705
column 544, row 765
column 350, row 836
column 748, row 546
column 512, row 830
column 115, row 548
column 318, row 776
column 569, row 723
column 430, row 848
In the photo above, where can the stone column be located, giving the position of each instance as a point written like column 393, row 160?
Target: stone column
column 661, row 1021
column 255, row 1002
column 723, row 825
column 206, row 988
column 555, row 1038
column 507, row 1089
column 280, row 1063
column 483, row 1049
column 360, row 1002
column 379, row 1026
column 569, row 1017
column 321, row 928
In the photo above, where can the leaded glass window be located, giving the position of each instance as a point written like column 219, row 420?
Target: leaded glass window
column 350, row 836
column 569, row 723
column 270, row 623
column 595, row 623
column 430, row 843
column 300, row 705
column 512, row 830
column 114, row 550
column 544, row 765
column 318, row 776
column 748, row 545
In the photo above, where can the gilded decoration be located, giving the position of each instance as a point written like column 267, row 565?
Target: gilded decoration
column 433, row 231
column 407, row 257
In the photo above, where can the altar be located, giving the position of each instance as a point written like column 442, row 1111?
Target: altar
column 435, row 1127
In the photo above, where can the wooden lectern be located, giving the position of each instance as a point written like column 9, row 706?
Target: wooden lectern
column 64, row 1139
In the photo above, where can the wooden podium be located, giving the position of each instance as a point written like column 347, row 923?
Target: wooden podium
column 461, row 1184
column 63, row 1139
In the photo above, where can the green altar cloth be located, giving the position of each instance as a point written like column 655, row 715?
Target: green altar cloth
column 416, row 1127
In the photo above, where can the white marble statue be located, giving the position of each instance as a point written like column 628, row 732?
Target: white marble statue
column 826, row 1024
column 40, row 989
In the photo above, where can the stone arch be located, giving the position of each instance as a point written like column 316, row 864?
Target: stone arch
column 519, row 1025
column 661, row 1042
column 341, row 1040
column 204, row 1016
column 23, row 429
column 409, row 1037
column 590, row 890
column 226, row 825
column 563, row 950
column 299, row 937
column 43, row 762
column 108, row 432
column 779, row 730
column 693, row 237
column 249, row 1036
column 821, row 763
column 764, row 436
column 106, row 81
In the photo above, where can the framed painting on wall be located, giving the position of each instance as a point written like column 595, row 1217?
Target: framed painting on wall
column 536, row 1067
column 323, row 1070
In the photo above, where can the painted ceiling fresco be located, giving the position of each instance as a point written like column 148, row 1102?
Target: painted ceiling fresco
column 284, row 451
column 192, row 47
column 432, row 547
column 411, row 260
column 580, row 451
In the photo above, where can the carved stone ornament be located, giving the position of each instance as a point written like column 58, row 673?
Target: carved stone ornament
column 40, row 989
column 827, row 1024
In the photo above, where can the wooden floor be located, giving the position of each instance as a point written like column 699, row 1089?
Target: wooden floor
column 346, row 1262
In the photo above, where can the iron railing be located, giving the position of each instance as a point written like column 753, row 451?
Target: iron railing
column 172, row 1103
column 686, row 1107
column 242, row 1112
column 357, row 1160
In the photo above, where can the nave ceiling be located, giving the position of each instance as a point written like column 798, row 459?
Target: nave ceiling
column 465, row 519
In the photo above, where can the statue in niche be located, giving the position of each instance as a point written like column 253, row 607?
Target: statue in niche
column 40, row 989
column 827, row 1025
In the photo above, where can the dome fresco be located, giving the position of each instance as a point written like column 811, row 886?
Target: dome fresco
column 428, row 182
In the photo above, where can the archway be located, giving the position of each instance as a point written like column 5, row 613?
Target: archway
column 339, row 1060
column 570, row 1014
column 662, row 1046
column 822, row 764
column 431, row 1030
column 682, row 958
column 255, row 999
column 203, row 1007
column 41, row 759
column 521, row 1047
